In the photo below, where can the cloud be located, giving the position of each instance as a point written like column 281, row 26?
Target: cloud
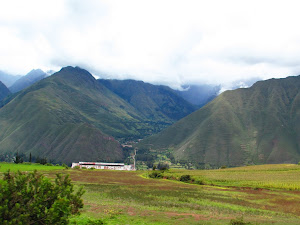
column 167, row 42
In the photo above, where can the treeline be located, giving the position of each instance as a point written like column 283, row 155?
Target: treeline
column 149, row 157
column 22, row 157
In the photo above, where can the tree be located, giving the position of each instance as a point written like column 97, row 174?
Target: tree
column 163, row 166
column 33, row 199
column 18, row 158
column 42, row 161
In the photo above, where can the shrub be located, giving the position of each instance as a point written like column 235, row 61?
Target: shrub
column 42, row 161
column 162, row 166
column 200, row 182
column 76, row 167
column 64, row 165
column 18, row 159
column 83, row 220
column 185, row 178
column 33, row 199
column 239, row 221
column 49, row 164
column 156, row 174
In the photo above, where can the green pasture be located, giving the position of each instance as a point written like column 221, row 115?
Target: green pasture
column 275, row 176
column 4, row 167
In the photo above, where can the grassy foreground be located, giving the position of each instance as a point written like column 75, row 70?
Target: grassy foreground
column 121, row 197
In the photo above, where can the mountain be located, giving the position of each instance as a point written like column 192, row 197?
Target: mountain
column 66, row 117
column 70, row 116
column 254, row 125
column 27, row 80
column 155, row 102
column 8, row 79
column 3, row 91
column 199, row 94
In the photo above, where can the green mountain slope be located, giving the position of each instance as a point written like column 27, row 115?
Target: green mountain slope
column 260, row 124
column 67, row 117
column 155, row 102
column 70, row 116
column 3, row 91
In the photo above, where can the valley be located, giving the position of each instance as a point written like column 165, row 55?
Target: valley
column 78, row 118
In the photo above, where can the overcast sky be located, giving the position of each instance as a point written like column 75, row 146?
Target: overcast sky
column 166, row 42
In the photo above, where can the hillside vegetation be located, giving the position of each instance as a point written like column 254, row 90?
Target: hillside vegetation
column 70, row 116
column 155, row 102
column 254, row 125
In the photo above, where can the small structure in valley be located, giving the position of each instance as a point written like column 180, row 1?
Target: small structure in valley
column 104, row 166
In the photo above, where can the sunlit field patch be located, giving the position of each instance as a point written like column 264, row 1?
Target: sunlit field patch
column 4, row 167
column 281, row 176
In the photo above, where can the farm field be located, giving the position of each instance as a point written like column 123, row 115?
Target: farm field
column 27, row 167
column 127, row 197
column 274, row 176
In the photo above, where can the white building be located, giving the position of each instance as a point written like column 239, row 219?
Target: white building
column 104, row 166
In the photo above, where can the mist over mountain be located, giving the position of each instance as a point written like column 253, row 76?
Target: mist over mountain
column 8, row 79
column 27, row 80
column 4, row 92
column 152, row 101
column 199, row 94
column 253, row 125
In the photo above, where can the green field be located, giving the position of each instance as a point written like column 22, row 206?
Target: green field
column 274, row 176
column 4, row 167
column 121, row 197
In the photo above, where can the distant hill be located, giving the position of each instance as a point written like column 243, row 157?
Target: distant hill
column 155, row 102
column 8, row 79
column 3, row 91
column 27, row 80
column 70, row 116
column 199, row 94
column 253, row 125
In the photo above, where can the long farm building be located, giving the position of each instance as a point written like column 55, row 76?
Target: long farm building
column 104, row 166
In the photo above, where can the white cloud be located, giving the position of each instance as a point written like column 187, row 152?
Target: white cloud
column 170, row 42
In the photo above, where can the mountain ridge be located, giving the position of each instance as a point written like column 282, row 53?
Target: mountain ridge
column 151, row 99
column 4, row 91
column 70, row 116
column 245, row 126
column 25, row 81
